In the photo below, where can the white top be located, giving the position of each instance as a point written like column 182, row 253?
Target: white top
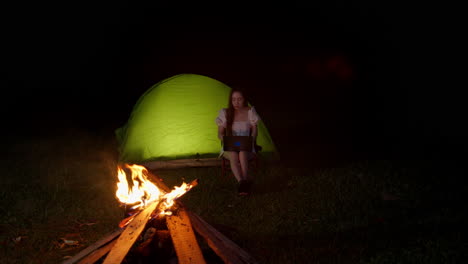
column 239, row 128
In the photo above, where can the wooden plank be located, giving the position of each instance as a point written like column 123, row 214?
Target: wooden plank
column 221, row 245
column 97, row 254
column 183, row 238
column 120, row 249
column 226, row 249
column 130, row 235
column 109, row 237
column 182, row 163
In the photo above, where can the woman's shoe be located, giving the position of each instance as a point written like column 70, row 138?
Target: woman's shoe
column 244, row 187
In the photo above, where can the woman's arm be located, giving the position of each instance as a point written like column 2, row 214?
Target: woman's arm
column 253, row 118
column 220, row 132
column 254, row 132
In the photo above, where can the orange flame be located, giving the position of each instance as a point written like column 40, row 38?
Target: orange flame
column 143, row 191
column 174, row 194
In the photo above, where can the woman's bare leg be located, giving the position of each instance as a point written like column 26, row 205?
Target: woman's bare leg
column 244, row 163
column 233, row 158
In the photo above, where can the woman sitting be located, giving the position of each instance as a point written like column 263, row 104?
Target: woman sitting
column 238, row 120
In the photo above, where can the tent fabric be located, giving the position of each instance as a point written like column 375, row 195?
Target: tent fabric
column 175, row 119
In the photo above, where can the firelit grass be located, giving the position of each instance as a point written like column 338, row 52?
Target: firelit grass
column 361, row 212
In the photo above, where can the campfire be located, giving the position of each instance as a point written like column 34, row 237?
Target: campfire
column 156, row 223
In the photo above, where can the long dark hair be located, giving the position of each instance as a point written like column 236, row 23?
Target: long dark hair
column 230, row 110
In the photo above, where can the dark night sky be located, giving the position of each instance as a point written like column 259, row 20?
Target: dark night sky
column 349, row 75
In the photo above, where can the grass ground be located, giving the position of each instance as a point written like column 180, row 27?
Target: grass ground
column 380, row 211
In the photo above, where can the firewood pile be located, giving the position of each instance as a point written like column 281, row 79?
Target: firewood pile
column 150, row 236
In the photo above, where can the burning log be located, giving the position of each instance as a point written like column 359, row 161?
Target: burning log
column 137, row 223
column 129, row 236
column 227, row 250
column 184, row 239
column 97, row 254
column 179, row 225
column 85, row 254
column 127, row 220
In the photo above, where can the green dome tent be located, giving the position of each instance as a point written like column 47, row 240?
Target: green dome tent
column 175, row 119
